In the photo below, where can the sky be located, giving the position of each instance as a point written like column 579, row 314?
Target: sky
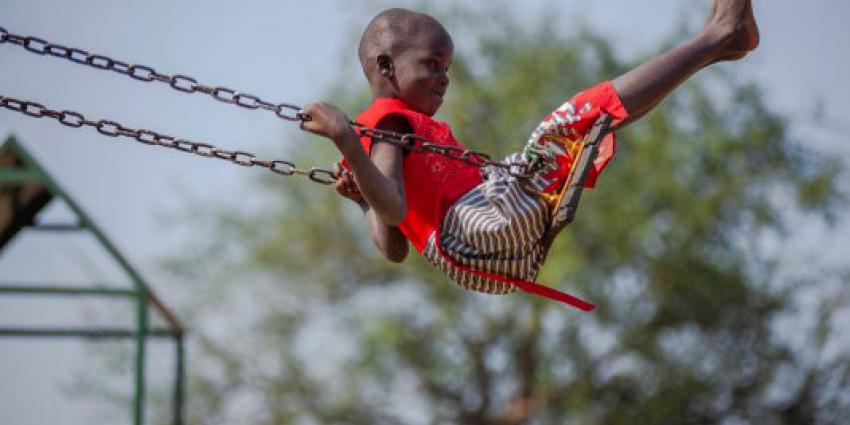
column 283, row 52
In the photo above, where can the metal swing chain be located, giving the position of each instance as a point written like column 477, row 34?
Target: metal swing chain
column 182, row 83
column 419, row 144
column 187, row 84
column 149, row 137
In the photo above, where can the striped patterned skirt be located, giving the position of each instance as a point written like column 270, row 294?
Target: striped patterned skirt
column 497, row 227
column 491, row 238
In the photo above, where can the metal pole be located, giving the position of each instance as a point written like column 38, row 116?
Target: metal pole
column 48, row 289
column 179, row 389
column 93, row 333
column 141, row 329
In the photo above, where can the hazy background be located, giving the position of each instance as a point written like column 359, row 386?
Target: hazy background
column 288, row 52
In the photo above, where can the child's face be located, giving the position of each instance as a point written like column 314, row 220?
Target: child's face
column 420, row 71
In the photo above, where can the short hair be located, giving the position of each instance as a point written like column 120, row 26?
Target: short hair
column 391, row 32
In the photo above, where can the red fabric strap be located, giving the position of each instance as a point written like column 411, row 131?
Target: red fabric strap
column 527, row 286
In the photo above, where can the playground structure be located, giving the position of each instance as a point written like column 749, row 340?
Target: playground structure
column 26, row 189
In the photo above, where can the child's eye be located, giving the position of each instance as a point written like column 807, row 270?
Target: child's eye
column 436, row 64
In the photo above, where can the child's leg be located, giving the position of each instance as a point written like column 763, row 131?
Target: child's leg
column 731, row 32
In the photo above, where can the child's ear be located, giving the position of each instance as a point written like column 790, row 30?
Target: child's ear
column 385, row 66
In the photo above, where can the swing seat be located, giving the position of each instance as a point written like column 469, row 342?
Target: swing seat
column 564, row 203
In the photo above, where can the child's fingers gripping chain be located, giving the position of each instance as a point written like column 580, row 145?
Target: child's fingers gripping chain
column 349, row 184
column 345, row 184
column 305, row 117
column 325, row 119
column 312, row 123
column 320, row 119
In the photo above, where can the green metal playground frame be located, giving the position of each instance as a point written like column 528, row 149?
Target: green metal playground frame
column 21, row 170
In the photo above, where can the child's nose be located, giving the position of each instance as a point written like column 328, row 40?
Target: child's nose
column 443, row 79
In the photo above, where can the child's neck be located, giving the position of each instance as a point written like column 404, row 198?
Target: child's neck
column 384, row 94
column 383, row 90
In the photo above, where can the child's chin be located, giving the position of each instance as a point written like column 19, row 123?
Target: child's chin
column 429, row 111
column 428, row 108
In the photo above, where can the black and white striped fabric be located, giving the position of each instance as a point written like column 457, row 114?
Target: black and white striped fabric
column 497, row 227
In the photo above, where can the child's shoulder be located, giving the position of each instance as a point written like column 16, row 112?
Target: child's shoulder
column 383, row 107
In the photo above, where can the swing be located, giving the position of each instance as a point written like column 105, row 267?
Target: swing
column 563, row 204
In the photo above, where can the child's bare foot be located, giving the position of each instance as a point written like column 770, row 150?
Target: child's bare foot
column 733, row 27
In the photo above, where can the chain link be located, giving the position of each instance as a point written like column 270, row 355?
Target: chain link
column 182, row 83
column 149, row 137
column 419, row 144
column 187, row 84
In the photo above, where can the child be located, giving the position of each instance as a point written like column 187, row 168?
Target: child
column 482, row 226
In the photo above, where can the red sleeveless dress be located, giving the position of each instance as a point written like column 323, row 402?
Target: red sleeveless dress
column 432, row 182
column 438, row 189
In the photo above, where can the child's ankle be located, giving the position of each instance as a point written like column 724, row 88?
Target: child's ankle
column 718, row 37
column 714, row 43
column 724, row 44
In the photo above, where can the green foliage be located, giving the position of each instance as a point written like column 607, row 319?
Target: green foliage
column 670, row 246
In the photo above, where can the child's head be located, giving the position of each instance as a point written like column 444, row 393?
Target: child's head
column 406, row 55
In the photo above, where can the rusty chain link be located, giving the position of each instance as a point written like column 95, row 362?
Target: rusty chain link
column 182, row 83
column 187, row 84
column 149, row 137
column 419, row 144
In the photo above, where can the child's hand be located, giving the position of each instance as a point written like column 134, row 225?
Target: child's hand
column 325, row 119
column 347, row 187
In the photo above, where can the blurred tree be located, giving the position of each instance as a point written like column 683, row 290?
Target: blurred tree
column 297, row 319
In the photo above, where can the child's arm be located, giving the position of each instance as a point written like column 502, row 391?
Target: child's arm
column 388, row 157
column 381, row 187
column 383, row 170
column 389, row 239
